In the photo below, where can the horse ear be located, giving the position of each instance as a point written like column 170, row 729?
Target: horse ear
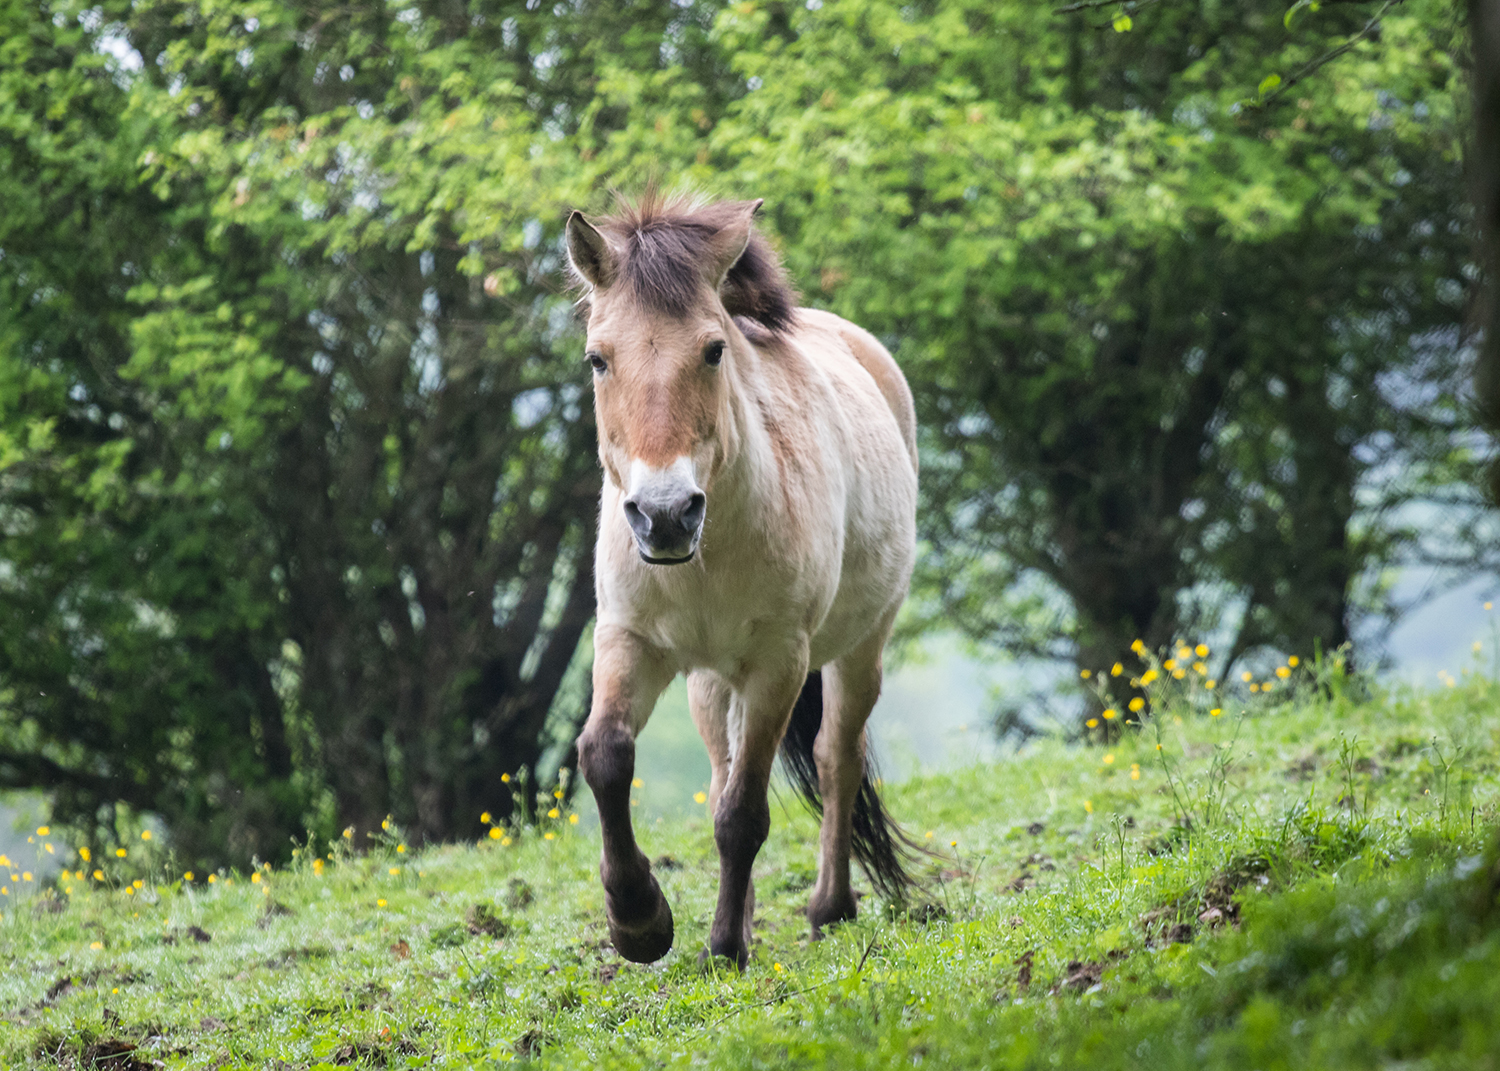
column 589, row 252
column 729, row 244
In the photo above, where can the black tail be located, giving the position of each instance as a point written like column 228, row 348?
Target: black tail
column 878, row 843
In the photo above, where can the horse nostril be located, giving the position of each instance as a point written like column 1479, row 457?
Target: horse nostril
column 639, row 523
column 692, row 516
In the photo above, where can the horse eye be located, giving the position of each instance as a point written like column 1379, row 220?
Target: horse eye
column 713, row 353
column 597, row 360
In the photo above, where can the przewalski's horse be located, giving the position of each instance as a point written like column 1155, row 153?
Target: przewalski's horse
column 757, row 526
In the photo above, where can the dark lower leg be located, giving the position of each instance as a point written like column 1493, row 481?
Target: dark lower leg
column 640, row 921
column 741, row 825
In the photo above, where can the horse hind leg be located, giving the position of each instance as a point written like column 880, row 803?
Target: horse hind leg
column 628, row 679
column 708, row 700
column 850, row 687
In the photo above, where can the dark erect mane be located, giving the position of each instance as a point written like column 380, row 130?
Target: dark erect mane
column 663, row 243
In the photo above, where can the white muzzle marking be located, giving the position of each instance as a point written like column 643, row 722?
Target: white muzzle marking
column 665, row 508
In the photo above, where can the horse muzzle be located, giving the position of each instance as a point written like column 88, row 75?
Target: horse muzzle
column 665, row 511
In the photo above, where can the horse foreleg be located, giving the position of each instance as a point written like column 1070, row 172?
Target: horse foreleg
column 742, row 817
column 629, row 676
column 850, row 687
column 708, row 701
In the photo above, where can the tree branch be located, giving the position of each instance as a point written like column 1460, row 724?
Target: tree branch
column 1126, row 8
column 1329, row 56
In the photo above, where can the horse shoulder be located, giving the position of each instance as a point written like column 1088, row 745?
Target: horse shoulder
column 875, row 359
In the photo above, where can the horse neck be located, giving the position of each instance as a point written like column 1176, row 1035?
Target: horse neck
column 748, row 486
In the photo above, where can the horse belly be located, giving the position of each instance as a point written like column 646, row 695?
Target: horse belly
column 879, row 554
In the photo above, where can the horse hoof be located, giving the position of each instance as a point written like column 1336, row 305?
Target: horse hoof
column 821, row 914
column 737, row 957
column 644, row 942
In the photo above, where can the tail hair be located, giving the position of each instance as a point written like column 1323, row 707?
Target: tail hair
column 883, row 850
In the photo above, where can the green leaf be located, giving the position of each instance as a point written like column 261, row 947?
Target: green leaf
column 1268, row 83
column 1123, row 24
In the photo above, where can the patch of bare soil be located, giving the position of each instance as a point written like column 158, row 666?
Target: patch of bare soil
column 1178, row 921
column 483, row 919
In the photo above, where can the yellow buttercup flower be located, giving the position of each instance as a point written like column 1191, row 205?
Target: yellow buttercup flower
column 1283, row 672
column 485, row 818
column 1137, row 705
column 1138, row 647
column 1211, row 685
column 1092, row 723
column 1199, row 668
column 1116, row 669
column 1294, row 661
column 505, row 778
column 572, row 819
column 495, row 833
column 636, row 782
column 83, row 853
column 1170, row 663
column 1184, row 653
column 1246, row 676
column 700, row 797
column 1088, row 805
column 1201, row 650
column 1215, row 712
column 1109, row 759
column 121, row 853
column 43, row 831
column 1179, row 673
column 145, row 834
column 1109, row 714
column 1085, row 673
column 1148, row 676
column 553, row 813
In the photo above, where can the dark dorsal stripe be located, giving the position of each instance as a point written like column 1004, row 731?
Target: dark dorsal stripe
column 664, row 243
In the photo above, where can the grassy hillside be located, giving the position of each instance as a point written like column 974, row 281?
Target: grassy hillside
column 1309, row 884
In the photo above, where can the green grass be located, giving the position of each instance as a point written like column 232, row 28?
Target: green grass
column 1330, row 905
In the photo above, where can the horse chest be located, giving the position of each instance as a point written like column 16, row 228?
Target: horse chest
column 718, row 622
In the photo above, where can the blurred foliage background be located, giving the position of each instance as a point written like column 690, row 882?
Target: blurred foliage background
column 297, row 474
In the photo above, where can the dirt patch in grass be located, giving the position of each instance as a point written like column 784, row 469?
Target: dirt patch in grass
column 1178, row 920
column 483, row 919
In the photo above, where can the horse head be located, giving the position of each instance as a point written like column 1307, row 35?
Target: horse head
column 665, row 280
